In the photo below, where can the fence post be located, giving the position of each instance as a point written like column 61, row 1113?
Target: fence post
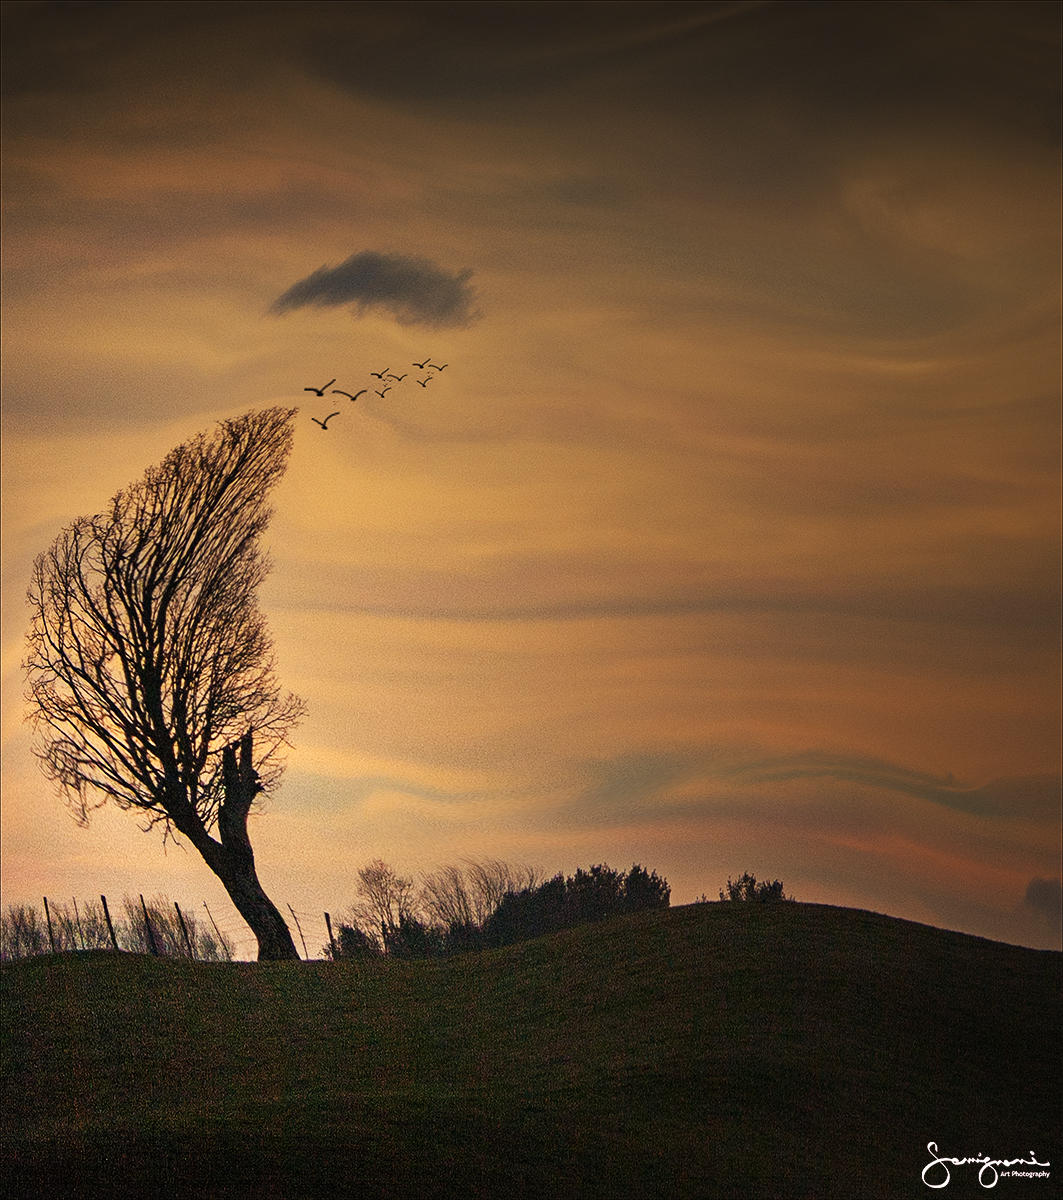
column 80, row 930
column 221, row 941
column 147, row 925
column 110, row 927
column 48, row 915
column 184, row 930
column 306, row 953
column 331, row 939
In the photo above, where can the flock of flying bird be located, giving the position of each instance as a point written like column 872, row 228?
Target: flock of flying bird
column 427, row 366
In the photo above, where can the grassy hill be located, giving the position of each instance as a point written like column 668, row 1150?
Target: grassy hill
column 715, row 1050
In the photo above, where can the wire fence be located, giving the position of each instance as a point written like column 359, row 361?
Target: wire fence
column 155, row 926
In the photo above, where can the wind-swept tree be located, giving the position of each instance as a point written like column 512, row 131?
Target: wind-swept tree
column 151, row 678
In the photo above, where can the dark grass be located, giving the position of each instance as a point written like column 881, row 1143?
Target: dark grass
column 716, row 1050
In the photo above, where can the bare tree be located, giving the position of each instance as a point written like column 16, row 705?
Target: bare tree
column 491, row 879
column 456, row 896
column 447, row 900
column 150, row 665
column 385, row 899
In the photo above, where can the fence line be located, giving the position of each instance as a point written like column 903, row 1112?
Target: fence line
column 157, row 928
column 146, row 928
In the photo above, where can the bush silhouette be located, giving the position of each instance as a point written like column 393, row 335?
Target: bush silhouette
column 561, row 903
column 414, row 938
column 746, row 887
column 351, row 943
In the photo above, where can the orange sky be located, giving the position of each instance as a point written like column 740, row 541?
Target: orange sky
column 728, row 540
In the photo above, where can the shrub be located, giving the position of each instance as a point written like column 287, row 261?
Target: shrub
column 352, row 943
column 413, row 938
column 22, row 932
column 746, row 887
column 560, row 903
column 645, row 889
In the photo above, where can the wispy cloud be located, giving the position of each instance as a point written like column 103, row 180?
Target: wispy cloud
column 1032, row 797
column 414, row 290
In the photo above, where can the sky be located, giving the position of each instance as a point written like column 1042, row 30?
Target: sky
column 728, row 539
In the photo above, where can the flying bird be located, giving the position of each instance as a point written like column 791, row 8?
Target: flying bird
column 398, row 378
column 383, row 393
column 436, row 367
column 377, row 374
column 321, row 390
column 421, row 366
column 340, row 392
column 324, row 423
column 426, row 382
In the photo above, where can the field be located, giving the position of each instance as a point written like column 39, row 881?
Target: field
column 714, row 1050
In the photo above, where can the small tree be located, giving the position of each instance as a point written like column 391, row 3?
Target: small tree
column 645, row 889
column 385, row 898
column 150, row 669
column 746, row 887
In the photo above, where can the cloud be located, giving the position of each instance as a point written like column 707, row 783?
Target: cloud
column 414, row 290
column 668, row 784
column 1033, row 797
column 1045, row 898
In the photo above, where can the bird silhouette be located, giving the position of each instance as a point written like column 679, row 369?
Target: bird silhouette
column 421, row 366
column 436, row 367
column 321, row 390
column 324, row 423
column 398, row 378
column 383, row 393
column 426, row 382
column 340, row 392
column 377, row 374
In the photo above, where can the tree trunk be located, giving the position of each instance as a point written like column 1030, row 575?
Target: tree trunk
column 233, row 861
column 240, row 880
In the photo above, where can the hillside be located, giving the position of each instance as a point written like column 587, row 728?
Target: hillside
column 707, row 1051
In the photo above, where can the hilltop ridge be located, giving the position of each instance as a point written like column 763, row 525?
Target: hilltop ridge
column 712, row 1050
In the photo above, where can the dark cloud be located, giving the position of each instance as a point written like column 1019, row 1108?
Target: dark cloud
column 986, row 64
column 414, row 290
column 1045, row 898
column 464, row 53
column 849, row 63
